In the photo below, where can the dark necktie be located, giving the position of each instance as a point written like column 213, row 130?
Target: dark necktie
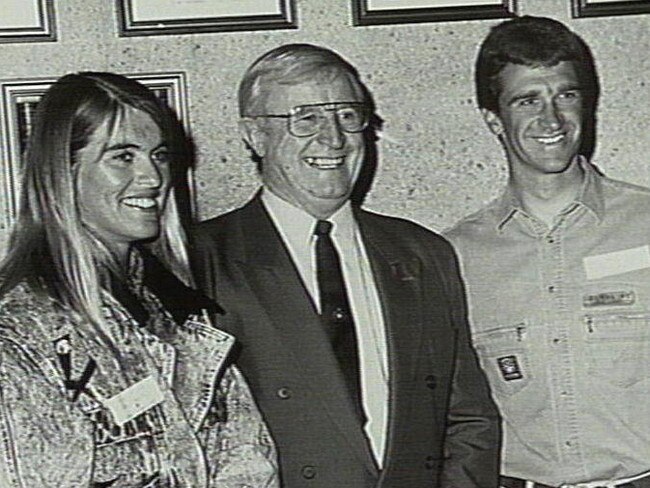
column 336, row 314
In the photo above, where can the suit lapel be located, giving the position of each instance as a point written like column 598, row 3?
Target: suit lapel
column 397, row 274
column 275, row 281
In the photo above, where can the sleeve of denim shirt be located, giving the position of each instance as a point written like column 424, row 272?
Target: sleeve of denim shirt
column 44, row 442
column 238, row 445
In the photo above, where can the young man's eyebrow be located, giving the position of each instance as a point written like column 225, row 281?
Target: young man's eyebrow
column 522, row 96
column 571, row 87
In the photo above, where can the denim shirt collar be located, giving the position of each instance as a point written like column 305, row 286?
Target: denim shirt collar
column 589, row 197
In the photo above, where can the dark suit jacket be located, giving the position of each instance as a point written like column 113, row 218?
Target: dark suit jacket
column 443, row 428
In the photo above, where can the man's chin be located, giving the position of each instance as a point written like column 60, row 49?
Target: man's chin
column 323, row 206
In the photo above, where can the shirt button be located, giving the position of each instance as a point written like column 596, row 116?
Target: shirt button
column 550, row 240
column 556, row 340
column 429, row 462
column 308, row 472
column 431, row 382
column 284, row 393
column 551, row 289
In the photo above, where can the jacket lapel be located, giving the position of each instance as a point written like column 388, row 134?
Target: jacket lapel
column 397, row 274
column 277, row 285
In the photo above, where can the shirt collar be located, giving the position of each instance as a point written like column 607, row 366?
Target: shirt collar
column 297, row 226
column 590, row 196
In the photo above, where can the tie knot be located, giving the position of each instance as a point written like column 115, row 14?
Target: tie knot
column 323, row 228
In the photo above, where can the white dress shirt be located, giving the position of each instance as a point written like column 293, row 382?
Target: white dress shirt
column 296, row 228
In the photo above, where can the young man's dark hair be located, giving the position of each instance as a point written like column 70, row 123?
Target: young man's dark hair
column 531, row 41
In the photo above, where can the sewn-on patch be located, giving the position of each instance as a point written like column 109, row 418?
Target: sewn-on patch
column 617, row 262
column 509, row 367
column 608, row 299
column 134, row 400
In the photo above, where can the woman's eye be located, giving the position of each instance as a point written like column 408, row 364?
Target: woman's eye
column 161, row 157
column 126, row 157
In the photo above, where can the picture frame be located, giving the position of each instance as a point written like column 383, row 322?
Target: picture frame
column 157, row 17
column 27, row 21
column 18, row 101
column 600, row 8
column 380, row 12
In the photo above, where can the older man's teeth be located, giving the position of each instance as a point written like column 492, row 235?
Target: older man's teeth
column 140, row 202
column 551, row 140
column 325, row 163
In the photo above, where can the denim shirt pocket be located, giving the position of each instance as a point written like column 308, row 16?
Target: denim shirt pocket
column 619, row 346
column 505, row 358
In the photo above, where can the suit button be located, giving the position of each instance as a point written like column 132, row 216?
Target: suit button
column 429, row 462
column 308, row 472
column 339, row 315
column 284, row 393
column 431, row 382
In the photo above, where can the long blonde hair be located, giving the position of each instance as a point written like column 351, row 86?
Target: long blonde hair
column 50, row 249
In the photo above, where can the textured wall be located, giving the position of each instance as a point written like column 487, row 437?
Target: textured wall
column 437, row 160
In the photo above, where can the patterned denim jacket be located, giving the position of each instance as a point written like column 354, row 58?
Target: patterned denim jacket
column 169, row 413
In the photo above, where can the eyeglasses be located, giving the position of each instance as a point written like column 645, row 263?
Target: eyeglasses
column 307, row 120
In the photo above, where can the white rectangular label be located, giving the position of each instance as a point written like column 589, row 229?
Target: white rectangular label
column 134, row 400
column 617, row 262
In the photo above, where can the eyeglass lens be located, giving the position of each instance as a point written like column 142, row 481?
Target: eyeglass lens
column 308, row 119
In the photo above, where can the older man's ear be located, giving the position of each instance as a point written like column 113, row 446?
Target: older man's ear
column 253, row 135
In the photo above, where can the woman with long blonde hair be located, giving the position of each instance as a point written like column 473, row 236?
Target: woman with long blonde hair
column 110, row 371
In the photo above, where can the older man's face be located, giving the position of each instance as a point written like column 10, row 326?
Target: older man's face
column 317, row 172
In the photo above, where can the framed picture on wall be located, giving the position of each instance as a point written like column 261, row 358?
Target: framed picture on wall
column 598, row 8
column 19, row 99
column 27, row 21
column 376, row 12
column 152, row 17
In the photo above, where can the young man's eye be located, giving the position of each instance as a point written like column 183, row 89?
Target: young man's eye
column 570, row 96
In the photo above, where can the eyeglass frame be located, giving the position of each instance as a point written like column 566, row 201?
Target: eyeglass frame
column 291, row 113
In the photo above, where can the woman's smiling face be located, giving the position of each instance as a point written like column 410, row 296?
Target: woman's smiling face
column 122, row 180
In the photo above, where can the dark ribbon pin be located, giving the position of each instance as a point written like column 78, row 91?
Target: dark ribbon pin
column 64, row 352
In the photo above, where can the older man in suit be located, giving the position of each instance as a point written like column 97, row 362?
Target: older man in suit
column 352, row 324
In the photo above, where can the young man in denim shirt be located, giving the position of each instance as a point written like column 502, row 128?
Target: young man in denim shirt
column 558, row 272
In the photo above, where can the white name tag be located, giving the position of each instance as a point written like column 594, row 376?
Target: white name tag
column 617, row 262
column 134, row 400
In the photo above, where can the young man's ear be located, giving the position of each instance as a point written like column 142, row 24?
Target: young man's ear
column 253, row 135
column 493, row 121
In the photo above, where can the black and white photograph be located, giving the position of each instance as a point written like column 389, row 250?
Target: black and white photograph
column 324, row 244
column 373, row 12
column 152, row 17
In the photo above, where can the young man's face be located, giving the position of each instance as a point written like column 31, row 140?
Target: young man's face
column 540, row 119
column 315, row 173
